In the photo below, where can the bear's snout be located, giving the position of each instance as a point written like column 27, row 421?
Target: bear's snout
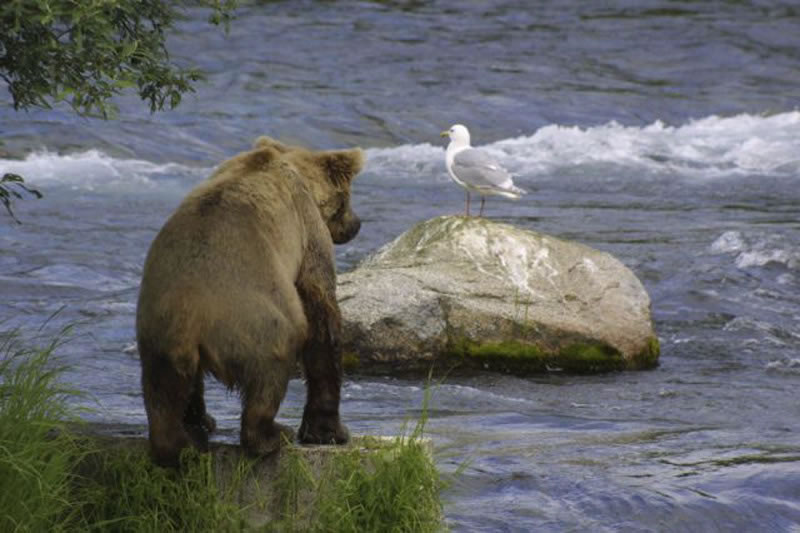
column 348, row 230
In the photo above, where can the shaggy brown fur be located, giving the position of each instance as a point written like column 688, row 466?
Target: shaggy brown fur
column 239, row 282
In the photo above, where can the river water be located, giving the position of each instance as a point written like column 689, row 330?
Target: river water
column 666, row 133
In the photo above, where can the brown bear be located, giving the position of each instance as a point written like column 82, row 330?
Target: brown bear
column 239, row 282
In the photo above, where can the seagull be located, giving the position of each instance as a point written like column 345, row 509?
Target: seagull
column 475, row 170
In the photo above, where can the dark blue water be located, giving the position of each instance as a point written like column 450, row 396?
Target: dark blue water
column 667, row 133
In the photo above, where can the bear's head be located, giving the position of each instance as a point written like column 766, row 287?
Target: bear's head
column 328, row 175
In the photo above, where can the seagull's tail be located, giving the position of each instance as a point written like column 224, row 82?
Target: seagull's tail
column 517, row 191
column 510, row 191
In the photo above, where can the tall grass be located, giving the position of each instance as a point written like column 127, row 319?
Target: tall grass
column 36, row 451
column 122, row 491
column 374, row 485
column 395, row 489
column 54, row 478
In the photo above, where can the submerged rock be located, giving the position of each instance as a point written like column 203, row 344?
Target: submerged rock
column 457, row 291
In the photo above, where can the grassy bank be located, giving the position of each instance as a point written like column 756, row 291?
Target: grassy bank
column 36, row 454
column 56, row 478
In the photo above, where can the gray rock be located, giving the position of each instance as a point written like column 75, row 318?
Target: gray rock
column 479, row 294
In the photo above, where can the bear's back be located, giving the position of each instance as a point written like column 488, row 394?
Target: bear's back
column 236, row 235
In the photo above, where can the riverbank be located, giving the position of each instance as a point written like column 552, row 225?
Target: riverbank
column 58, row 473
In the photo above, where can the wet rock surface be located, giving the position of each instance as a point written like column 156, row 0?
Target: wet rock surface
column 473, row 293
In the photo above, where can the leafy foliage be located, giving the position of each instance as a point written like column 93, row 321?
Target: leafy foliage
column 10, row 187
column 85, row 51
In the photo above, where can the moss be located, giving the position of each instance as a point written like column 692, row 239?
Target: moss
column 648, row 357
column 350, row 361
column 524, row 358
column 507, row 356
column 581, row 358
column 654, row 350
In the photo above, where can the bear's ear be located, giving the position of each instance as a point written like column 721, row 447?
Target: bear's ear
column 269, row 142
column 341, row 166
column 258, row 159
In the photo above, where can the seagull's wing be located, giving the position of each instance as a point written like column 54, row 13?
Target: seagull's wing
column 478, row 170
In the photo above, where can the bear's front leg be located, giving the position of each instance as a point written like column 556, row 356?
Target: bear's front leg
column 322, row 363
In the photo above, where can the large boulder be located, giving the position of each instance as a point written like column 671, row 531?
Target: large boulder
column 472, row 293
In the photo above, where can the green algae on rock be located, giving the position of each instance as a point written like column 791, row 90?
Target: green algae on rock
column 520, row 358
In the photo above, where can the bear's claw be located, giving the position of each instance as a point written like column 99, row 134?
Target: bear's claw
column 262, row 445
column 323, row 430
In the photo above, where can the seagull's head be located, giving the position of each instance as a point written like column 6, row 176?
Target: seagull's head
column 459, row 135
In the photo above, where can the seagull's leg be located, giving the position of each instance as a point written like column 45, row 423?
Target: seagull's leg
column 483, row 199
column 467, row 203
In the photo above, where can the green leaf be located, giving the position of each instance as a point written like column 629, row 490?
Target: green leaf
column 128, row 49
column 7, row 194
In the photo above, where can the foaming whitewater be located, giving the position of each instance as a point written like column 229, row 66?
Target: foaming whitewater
column 712, row 147
column 707, row 148
column 94, row 170
column 757, row 249
column 417, row 162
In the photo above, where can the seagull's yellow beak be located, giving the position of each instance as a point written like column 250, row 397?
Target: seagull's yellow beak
column 445, row 133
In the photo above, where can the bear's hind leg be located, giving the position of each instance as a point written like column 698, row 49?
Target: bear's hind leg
column 260, row 434
column 167, row 395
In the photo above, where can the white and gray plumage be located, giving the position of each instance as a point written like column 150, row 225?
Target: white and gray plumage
column 475, row 170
